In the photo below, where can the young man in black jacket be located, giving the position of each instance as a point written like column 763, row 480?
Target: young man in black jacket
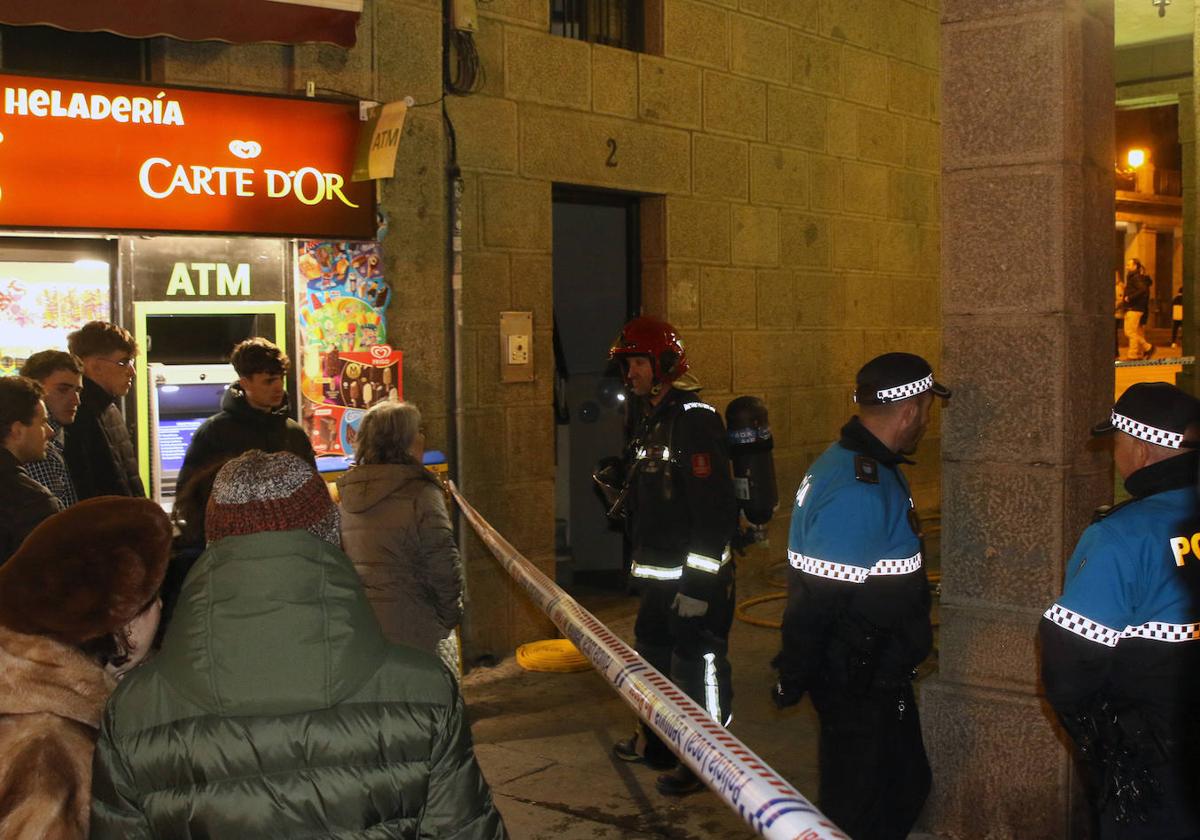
column 24, row 433
column 98, row 450
column 254, row 413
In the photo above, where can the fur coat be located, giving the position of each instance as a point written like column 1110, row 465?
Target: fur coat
column 51, row 700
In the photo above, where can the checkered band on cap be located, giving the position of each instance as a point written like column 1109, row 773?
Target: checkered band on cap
column 903, row 392
column 1142, row 431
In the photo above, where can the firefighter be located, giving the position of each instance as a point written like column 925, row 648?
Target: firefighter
column 857, row 620
column 680, row 515
column 1120, row 646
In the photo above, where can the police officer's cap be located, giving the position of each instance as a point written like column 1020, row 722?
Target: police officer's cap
column 893, row 377
column 1156, row 412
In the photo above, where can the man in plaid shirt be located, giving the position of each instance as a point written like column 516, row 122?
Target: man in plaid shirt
column 61, row 376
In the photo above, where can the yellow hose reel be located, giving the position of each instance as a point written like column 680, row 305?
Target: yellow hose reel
column 556, row 656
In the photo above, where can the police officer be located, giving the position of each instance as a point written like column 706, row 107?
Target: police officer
column 857, row 619
column 681, row 514
column 1120, row 646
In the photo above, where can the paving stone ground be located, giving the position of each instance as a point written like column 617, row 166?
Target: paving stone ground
column 544, row 740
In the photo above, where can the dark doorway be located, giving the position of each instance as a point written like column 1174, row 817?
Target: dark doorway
column 596, row 289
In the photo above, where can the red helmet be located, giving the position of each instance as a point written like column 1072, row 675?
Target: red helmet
column 658, row 341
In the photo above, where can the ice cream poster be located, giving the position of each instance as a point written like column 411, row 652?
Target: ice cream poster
column 346, row 365
column 41, row 302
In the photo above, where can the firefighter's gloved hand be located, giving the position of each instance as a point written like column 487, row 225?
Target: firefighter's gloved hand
column 609, row 476
column 787, row 691
column 686, row 607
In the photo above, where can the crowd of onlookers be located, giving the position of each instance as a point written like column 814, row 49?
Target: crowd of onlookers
column 262, row 662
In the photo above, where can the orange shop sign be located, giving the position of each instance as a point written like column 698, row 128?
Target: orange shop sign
column 122, row 157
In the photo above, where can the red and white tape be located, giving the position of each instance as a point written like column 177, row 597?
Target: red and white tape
column 771, row 806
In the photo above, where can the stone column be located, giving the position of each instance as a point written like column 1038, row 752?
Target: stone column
column 1186, row 378
column 1189, row 113
column 1027, row 192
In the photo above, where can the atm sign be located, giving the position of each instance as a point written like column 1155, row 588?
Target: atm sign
column 122, row 157
column 193, row 279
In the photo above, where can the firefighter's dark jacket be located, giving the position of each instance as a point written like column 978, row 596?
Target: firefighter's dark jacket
column 1126, row 629
column 682, row 506
column 98, row 451
column 240, row 427
column 858, row 595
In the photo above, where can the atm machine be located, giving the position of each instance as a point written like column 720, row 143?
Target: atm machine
column 181, row 397
column 188, row 300
column 186, row 353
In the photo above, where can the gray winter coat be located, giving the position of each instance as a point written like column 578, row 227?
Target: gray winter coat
column 396, row 530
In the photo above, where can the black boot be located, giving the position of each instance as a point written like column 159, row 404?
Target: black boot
column 679, row 782
column 627, row 750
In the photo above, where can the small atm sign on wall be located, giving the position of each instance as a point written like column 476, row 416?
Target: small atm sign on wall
column 121, row 157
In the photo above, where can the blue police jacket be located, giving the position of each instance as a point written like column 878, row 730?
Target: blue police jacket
column 857, row 571
column 1126, row 631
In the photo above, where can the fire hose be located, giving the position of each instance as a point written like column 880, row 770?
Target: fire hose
column 759, row 795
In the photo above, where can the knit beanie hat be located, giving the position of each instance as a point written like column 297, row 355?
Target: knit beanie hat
column 87, row 571
column 277, row 491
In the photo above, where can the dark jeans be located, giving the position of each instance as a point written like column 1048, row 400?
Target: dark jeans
column 678, row 647
column 874, row 773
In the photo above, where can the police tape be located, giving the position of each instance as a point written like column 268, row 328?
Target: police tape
column 1174, row 360
column 760, row 796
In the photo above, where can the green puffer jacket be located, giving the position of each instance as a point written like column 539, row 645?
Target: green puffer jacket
column 277, row 710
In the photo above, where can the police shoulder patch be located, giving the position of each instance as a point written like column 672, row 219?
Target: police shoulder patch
column 866, row 469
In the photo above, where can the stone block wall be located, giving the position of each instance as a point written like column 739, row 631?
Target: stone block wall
column 787, row 156
column 788, row 152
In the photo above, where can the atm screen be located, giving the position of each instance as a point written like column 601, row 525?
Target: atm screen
column 174, row 435
column 200, row 399
column 183, row 339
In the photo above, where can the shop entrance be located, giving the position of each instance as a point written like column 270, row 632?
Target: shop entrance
column 596, row 289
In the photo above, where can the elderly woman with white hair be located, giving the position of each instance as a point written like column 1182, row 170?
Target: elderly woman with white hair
column 396, row 530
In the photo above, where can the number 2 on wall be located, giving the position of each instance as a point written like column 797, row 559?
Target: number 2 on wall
column 612, row 153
